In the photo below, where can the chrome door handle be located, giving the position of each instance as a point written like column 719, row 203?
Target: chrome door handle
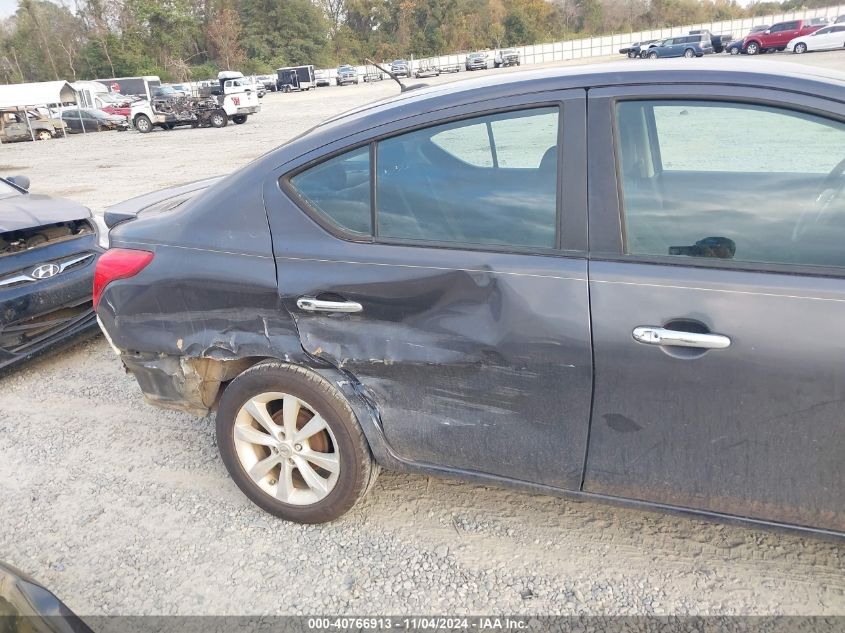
column 651, row 335
column 310, row 304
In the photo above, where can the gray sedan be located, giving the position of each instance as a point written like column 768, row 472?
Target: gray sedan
column 554, row 280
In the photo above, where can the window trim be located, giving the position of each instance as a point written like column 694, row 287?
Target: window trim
column 603, row 103
column 564, row 100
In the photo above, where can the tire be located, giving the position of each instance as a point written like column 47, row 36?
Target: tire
column 340, row 442
column 800, row 48
column 753, row 48
column 734, row 50
column 632, row 55
column 143, row 124
column 168, row 126
column 689, row 53
column 653, row 55
column 239, row 119
column 219, row 118
column 43, row 135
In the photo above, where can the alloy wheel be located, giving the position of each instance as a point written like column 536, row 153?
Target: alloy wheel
column 286, row 448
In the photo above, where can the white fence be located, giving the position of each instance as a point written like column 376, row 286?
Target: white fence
column 610, row 44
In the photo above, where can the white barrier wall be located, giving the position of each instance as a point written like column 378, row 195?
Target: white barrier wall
column 610, row 44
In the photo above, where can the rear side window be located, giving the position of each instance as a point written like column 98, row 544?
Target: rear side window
column 735, row 181
column 339, row 189
column 487, row 180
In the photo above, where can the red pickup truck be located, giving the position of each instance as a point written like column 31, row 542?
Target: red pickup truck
column 776, row 37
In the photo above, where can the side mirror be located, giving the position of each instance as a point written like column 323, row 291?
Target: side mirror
column 20, row 181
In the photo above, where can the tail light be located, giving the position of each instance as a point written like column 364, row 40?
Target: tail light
column 118, row 263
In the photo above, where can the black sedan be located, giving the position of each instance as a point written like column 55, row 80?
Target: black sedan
column 552, row 280
column 93, row 121
column 48, row 248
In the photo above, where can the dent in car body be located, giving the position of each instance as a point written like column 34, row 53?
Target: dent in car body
column 198, row 301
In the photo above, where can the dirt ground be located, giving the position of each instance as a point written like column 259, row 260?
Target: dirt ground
column 122, row 508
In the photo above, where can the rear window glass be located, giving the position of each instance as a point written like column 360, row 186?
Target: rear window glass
column 487, row 180
column 339, row 189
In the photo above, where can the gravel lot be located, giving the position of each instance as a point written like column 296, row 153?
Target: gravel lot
column 122, row 508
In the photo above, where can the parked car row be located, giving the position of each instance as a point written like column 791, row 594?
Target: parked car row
column 797, row 36
column 401, row 68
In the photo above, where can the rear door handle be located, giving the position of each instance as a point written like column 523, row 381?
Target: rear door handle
column 652, row 335
column 310, row 304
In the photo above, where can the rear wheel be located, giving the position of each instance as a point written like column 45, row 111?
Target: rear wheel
column 753, row 48
column 218, row 118
column 689, row 53
column 652, row 55
column 800, row 47
column 292, row 444
column 143, row 124
column 734, row 50
column 43, row 135
column 239, row 119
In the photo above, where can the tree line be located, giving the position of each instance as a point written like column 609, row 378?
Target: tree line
column 193, row 39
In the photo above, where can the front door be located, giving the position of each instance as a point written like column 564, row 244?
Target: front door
column 458, row 311
column 781, row 34
column 718, row 320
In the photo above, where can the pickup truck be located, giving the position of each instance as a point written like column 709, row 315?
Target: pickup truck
column 231, row 98
column 346, row 74
column 776, row 37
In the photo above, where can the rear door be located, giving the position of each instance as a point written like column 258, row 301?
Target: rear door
column 718, row 319
column 443, row 268
column 833, row 37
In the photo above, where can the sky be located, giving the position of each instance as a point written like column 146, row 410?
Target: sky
column 8, row 7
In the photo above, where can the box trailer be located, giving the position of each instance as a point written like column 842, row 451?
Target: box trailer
column 295, row 78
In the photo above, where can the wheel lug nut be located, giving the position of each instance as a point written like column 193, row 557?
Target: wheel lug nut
column 272, row 482
column 298, row 447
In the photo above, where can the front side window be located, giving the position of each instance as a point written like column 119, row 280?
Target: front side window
column 735, row 181
column 339, row 189
column 487, row 180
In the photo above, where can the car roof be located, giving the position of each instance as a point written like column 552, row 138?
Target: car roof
column 815, row 81
column 610, row 74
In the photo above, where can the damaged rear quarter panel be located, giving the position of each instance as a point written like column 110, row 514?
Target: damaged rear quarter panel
column 209, row 293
